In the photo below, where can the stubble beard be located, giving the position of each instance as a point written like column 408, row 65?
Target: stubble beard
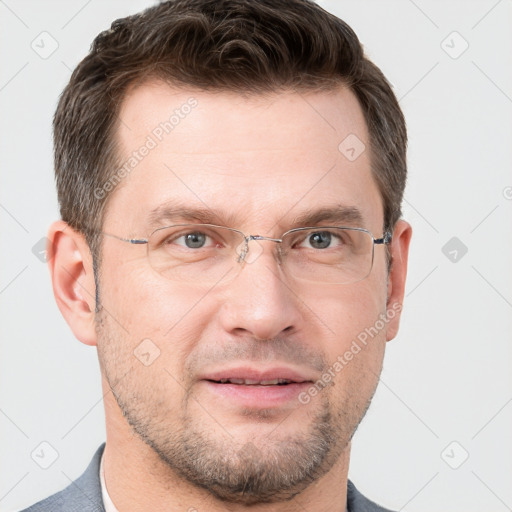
column 270, row 470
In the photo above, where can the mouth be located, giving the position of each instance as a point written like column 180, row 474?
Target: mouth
column 253, row 376
column 252, row 388
column 252, row 382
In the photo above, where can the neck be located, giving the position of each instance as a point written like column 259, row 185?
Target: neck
column 138, row 480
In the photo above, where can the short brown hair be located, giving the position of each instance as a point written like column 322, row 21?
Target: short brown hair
column 246, row 46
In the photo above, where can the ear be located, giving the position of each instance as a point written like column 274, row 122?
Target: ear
column 70, row 262
column 396, row 282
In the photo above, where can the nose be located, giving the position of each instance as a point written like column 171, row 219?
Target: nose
column 260, row 302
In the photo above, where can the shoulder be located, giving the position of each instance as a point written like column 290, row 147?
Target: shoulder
column 356, row 502
column 82, row 495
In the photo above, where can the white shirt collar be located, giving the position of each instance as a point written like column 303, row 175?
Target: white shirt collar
column 107, row 502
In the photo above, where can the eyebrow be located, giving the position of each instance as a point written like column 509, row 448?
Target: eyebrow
column 175, row 211
column 339, row 215
column 172, row 211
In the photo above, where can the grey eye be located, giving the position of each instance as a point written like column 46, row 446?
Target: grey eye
column 194, row 240
column 320, row 239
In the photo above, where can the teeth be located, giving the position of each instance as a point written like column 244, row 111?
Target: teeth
column 252, row 382
column 236, row 381
column 247, row 382
column 270, row 382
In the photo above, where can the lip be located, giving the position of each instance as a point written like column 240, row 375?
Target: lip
column 259, row 374
column 255, row 396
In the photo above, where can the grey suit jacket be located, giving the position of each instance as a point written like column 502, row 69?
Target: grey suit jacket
column 84, row 494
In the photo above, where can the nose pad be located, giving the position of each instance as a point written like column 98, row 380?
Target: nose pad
column 280, row 254
column 248, row 254
column 241, row 251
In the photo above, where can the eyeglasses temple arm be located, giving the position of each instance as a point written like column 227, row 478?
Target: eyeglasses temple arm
column 386, row 239
column 129, row 240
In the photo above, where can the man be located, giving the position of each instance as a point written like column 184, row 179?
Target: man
column 230, row 174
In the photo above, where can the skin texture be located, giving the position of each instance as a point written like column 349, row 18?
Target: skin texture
column 259, row 162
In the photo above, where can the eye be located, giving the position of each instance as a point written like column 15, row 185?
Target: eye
column 188, row 239
column 193, row 240
column 321, row 240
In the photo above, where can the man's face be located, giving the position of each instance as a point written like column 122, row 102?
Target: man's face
column 259, row 164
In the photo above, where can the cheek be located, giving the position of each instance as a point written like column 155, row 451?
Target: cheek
column 355, row 335
column 151, row 314
column 347, row 310
column 356, row 349
column 143, row 301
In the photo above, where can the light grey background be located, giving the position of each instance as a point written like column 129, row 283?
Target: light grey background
column 447, row 376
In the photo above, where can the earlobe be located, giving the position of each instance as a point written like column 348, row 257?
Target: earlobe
column 397, row 276
column 71, row 269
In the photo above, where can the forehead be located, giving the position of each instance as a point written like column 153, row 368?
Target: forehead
column 262, row 159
